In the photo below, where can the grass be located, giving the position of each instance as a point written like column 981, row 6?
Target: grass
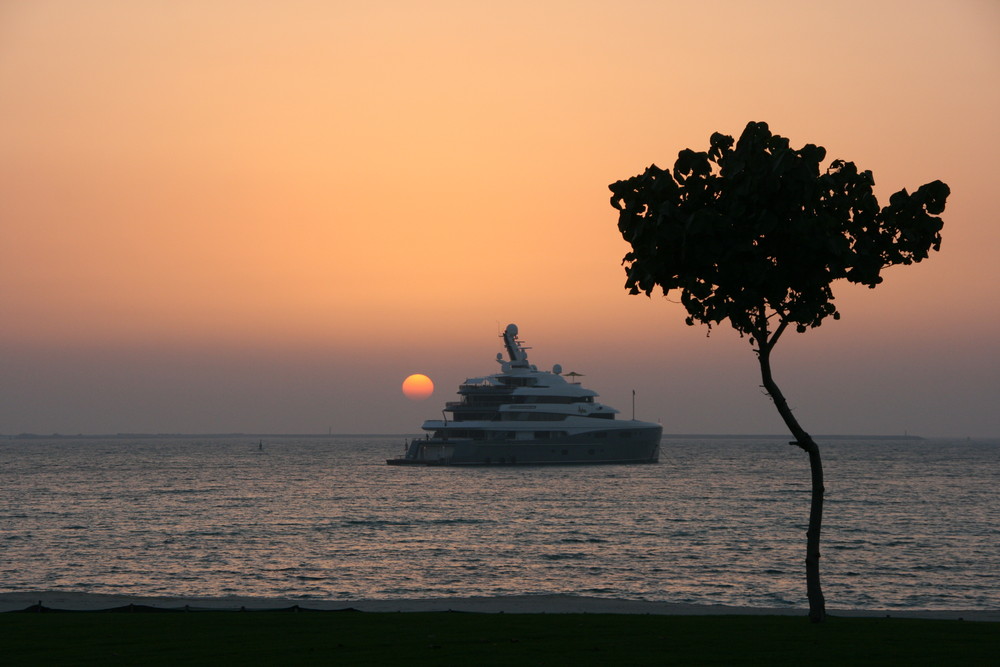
column 444, row 638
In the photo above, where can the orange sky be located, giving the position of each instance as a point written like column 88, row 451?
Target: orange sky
column 233, row 216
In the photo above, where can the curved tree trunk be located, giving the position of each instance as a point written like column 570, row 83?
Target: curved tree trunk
column 817, row 604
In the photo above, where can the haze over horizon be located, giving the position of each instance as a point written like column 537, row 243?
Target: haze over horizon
column 223, row 217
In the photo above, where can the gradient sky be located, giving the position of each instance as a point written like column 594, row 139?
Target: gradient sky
column 262, row 216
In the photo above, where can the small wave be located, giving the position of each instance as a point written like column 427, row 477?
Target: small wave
column 176, row 492
column 381, row 523
column 583, row 540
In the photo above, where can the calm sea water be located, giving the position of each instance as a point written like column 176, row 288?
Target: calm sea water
column 908, row 524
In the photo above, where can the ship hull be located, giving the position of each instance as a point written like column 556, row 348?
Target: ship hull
column 602, row 447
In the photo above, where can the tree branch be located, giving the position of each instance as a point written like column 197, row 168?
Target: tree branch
column 777, row 333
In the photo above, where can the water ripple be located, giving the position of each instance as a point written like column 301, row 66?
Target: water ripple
column 718, row 521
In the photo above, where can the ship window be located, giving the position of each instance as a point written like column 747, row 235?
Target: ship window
column 531, row 416
column 545, row 399
column 472, row 434
column 472, row 416
column 519, row 381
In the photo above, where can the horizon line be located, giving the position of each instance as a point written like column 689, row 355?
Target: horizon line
column 237, row 434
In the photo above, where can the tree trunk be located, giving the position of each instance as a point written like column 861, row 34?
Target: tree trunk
column 817, row 604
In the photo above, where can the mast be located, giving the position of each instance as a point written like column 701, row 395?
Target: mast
column 515, row 349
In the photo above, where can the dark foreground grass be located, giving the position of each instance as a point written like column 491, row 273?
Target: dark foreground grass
column 355, row 638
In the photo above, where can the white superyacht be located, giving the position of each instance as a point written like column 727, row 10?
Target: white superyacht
column 524, row 416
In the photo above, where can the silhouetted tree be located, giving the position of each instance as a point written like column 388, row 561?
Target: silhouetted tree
column 755, row 234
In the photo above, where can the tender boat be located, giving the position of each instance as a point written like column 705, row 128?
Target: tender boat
column 524, row 416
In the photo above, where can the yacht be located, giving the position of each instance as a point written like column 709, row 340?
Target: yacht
column 524, row 416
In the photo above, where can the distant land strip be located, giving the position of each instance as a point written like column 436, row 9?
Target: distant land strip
column 258, row 436
column 122, row 436
column 782, row 436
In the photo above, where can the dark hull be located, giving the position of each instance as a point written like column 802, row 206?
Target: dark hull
column 639, row 446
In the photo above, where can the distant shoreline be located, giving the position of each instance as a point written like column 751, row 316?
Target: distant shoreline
column 783, row 436
column 666, row 436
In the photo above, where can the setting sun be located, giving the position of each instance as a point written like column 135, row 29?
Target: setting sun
column 417, row 387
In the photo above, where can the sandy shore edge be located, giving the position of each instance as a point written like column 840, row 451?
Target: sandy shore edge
column 516, row 604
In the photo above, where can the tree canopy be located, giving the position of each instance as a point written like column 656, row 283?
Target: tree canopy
column 755, row 229
column 755, row 232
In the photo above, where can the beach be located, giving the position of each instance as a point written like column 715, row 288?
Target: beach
column 514, row 604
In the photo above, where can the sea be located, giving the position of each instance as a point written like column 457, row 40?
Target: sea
column 908, row 523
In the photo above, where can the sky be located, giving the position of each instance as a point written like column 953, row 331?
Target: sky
column 260, row 217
